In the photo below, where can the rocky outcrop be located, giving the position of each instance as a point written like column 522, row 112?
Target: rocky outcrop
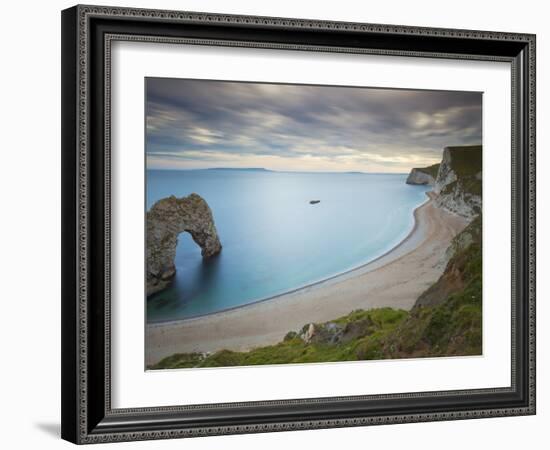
column 456, row 180
column 333, row 333
column 424, row 175
column 464, row 248
column 166, row 219
column 445, row 175
column 458, row 183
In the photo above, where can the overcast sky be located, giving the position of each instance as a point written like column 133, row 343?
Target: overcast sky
column 203, row 124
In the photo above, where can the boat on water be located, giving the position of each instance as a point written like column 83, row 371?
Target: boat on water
column 314, row 202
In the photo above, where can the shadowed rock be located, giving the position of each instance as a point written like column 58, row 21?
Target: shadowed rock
column 166, row 219
column 458, row 183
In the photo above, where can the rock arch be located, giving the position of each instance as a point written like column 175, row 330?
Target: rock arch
column 166, row 219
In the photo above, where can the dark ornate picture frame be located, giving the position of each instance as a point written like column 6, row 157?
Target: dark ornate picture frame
column 87, row 35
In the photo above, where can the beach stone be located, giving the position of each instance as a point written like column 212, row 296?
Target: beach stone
column 166, row 219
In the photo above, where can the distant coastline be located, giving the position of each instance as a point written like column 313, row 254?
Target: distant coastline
column 262, row 169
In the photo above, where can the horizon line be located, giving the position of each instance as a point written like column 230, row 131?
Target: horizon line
column 263, row 169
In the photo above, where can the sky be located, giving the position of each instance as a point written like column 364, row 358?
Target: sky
column 197, row 124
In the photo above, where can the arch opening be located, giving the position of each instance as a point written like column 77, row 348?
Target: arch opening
column 166, row 220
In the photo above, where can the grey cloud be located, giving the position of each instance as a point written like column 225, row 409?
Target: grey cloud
column 292, row 120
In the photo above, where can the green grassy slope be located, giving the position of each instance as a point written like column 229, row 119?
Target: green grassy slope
column 446, row 320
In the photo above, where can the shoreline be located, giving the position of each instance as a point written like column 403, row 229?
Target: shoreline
column 394, row 279
column 335, row 277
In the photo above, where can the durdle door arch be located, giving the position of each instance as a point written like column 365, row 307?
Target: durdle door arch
column 165, row 221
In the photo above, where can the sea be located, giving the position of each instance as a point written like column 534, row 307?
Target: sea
column 274, row 240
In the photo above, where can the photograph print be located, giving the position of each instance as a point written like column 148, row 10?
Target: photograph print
column 292, row 224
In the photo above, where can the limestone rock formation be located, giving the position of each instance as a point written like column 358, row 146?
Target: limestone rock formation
column 456, row 180
column 166, row 219
column 425, row 175
column 458, row 183
column 446, row 175
column 333, row 333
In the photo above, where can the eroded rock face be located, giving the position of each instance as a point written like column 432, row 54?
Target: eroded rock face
column 166, row 219
column 332, row 333
column 418, row 177
column 446, row 174
column 423, row 175
column 458, row 182
column 458, row 201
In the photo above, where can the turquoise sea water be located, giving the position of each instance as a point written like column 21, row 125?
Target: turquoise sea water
column 273, row 239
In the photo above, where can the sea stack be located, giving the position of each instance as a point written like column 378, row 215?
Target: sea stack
column 166, row 219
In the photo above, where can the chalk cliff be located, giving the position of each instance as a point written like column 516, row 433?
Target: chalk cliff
column 458, row 183
column 456, row 180
column 423, row 175
column 166, row 219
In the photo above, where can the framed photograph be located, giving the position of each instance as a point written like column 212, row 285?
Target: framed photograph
column 277, row 224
